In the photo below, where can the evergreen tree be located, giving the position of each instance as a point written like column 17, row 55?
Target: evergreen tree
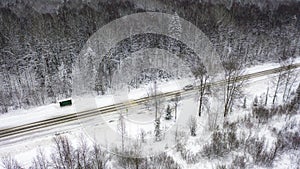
column 157, row 130
column 175, row 26
column 168, row 113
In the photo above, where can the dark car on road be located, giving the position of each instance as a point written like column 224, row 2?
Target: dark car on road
column 188, row 87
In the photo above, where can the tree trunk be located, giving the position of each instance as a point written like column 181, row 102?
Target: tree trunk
column 202, row 89
column 277, row 87
column 266, row 101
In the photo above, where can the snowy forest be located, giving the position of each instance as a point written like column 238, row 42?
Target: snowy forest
column 39, row 40
column 172, row 113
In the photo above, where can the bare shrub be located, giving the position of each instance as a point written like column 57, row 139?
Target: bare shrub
column 289, row 137
column 162, row 161
column 296, row 141
column 223, row 141
column 122, row 129
column 158, row 161
column 180, row 139
column 82, row 155
column 289, row 108
column 143, row 135
column 10, row 163
column 98, row 157
column 230, row 136
column 63, row 156
column 218, row 146
column 212, row 121
column 192, row 123
column 40, row 161
column 255, row 148
column 130, row 157
column 261, row 113
column 239, row 162
column 221, row 166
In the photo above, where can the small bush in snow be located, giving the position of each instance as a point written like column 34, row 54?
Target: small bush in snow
column 161, row 161
column 223, row 141
column 261, row 113
column 261, row 156
column 239, row 162
column 132, row 159
column 221, row 166
column 289, row 136
column 218, row 146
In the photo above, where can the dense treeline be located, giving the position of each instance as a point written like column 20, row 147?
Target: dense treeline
column 38, row 46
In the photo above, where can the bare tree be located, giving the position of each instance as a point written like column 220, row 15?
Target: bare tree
column 67, row 157
column 287, row 75
column 201, row 74
column 213, row 116
column 63, row 157
column 122, row 129
column 137, row 155
column 245, row 103
column 267, row 95
column 99, row 81
column 233, row 69
column 277, row 86
column 82, row 155
column 290, row 78
column 155, row 101
column 176, row 101
column 99, row 157
column 157, row 129
column 282, row 80
column 143, row 135
column 203, row 81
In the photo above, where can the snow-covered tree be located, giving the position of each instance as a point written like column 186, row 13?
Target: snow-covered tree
column 175, row 28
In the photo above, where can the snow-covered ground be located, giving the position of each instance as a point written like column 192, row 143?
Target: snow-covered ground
column 266, row 66
column 25, row 116
column 137, row 119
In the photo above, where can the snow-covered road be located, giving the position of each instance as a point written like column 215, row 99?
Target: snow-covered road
column 25, row 147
